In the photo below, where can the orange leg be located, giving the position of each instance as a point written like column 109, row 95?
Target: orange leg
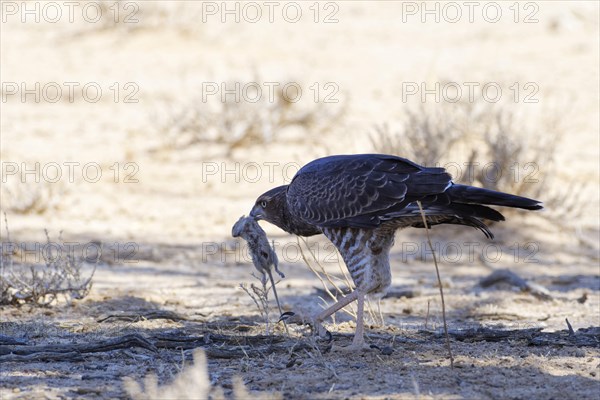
column 359, row 340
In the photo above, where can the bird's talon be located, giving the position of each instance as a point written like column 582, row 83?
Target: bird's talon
column 285, row 316
column 327, row 336
column 355, row 348
column 322, row 332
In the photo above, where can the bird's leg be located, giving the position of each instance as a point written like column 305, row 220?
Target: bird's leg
column 343, row 302
column 358, row 343
column 359, row 340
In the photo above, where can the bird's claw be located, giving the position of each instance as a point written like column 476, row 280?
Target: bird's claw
column 322, row 332
column 291, row 317
column 286, row 316
column 353, row 348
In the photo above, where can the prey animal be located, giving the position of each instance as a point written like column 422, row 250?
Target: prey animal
column 263, row 255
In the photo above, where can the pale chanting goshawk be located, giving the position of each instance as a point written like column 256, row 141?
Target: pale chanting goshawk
column 359, row 201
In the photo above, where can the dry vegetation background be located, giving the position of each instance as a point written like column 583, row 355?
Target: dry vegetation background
column 166, row 281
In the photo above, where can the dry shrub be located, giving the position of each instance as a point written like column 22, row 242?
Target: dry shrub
column 122, row 17
column 42, row 284
column 239, row 123
column 425, row 135
column 260, row 297
column 495, row 146
column 520, row 158
column 21, row 196
column 193, row 382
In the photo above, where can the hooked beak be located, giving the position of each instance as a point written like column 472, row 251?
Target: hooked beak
column 256, row 213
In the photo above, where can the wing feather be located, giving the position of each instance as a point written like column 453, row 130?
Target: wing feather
column 361, row 190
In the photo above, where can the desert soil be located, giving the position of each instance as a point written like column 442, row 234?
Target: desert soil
column 166, row 232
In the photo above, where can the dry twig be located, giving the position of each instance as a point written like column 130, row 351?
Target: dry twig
column 437, row 271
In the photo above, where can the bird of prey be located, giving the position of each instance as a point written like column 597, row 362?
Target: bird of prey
column 359, row 201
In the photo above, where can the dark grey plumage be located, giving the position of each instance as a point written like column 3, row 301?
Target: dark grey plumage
column 359, row 201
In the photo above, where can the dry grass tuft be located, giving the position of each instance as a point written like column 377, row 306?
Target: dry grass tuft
column 193, row 382
column 260, row 297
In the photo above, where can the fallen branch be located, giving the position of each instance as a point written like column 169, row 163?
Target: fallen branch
column 584, row 337
column 507, row 276
column 143, row 315
column 493, row 335
column 53, row 351
column 42, row 357
column 229, row 346
column 11, row 340
column 236, row 347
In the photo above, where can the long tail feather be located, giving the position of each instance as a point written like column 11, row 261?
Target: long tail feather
column 475, row 195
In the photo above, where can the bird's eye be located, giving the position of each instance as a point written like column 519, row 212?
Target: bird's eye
column 263, row 204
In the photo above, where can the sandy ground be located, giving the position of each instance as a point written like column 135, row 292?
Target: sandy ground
column 164, row 211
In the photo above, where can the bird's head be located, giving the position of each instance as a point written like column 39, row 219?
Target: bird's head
column 270, row 206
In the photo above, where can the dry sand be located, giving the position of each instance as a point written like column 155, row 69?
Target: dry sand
column 177, row 205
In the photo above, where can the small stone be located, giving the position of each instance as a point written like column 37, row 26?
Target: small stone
column 582, row 299
column 387, row 351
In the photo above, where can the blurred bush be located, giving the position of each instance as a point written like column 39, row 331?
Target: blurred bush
column 491, row 145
